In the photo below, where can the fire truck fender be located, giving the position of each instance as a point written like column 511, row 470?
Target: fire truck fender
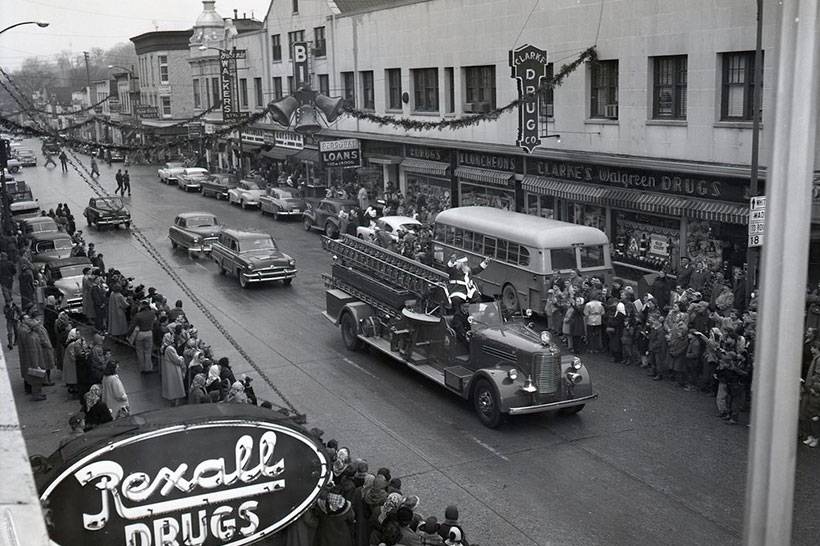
column 496, row 378
column 359, row 310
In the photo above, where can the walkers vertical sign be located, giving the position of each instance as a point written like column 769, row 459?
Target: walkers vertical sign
column 528, row 65
column 227, row 69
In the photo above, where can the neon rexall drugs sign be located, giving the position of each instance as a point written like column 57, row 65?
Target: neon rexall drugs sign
column 223, row 481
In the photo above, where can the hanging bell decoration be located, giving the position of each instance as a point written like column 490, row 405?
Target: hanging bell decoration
column 307, row 120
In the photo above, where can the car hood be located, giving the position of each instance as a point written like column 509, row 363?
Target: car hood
column 293, row 202
column 266, row 258
column 252, row 193
column 70, row 286
column 24, row 205
column 206, row 231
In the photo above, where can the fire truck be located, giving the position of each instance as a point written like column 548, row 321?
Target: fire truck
column 399, row 306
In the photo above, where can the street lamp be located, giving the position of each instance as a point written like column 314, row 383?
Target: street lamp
column 7, row 226
column 41, row 24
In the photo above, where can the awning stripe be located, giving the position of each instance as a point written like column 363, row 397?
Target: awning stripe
column 715, row 211
column 278, row 154
column 485, row 176
column 425, row 166
column 586, row 193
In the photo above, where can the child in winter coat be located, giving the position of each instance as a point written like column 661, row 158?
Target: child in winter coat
column 693, row 362
column 628, row 342
column 657, row 349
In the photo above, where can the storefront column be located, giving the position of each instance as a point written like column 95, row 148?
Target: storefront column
column 608, row 224
column 684, row 238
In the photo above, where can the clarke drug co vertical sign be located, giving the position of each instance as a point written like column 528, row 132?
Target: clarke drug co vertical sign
column 528, row 66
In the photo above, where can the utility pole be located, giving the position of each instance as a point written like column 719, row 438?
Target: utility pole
column 239, row 105
column 753, row 253
column 88, row 81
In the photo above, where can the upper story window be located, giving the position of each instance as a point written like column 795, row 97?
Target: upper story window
column 295, row 6
column 324, row 85
column 479, row 88
column 349, row 88
column 368, row 100
column 277, row 88
column 152, row 71
column 166, row 106
column 276, row 47
column 737, row 91
column 604, row 90
column 319, row 43
column 669, row 92
column 243, row 93
column 546, row 99
column 293, row 37
column 393, row 88
column 425, row 89
column 257, row 85
column 162, row 60
column 197, row 97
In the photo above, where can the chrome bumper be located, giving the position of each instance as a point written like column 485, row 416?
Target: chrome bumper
column 552, row 405
column 272, row 275
column 113, row 221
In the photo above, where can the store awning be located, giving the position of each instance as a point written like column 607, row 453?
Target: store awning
column 715, row 211
column 425, row 166
column 383, row 159
column 307, row 154
column 669, row 205
column 278, row 154
column 585, row 193
column 485, row 176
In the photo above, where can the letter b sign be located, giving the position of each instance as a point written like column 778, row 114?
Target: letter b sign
column 300, row 64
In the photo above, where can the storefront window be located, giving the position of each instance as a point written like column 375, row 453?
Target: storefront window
column 427, row 195
column 588, row 215
column 646, row 241
column 717, row 243
column 540, row 205
column 474, row 195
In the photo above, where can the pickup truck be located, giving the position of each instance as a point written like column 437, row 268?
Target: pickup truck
column 253, row 257
column 107, row 211
column 168, row 173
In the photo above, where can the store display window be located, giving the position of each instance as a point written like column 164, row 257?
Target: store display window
column 540, row 205
column 474, row 195
column 646, row 241
column 588, row 215
column 428, row 193
column 717, row 243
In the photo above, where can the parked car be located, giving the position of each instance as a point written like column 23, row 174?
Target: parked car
column 38, row 224
column 168, row 173
column 13, row 165
column 325, row 215
column 282, row 202
column 109, row 211
column 23, row 203
column 117, row 156
column 253, row 257
column 64, row 280
column 50, row 246
column 390, row 224
column 217, row 185
column 51, row 146
column 191, row 178
column 195, row 232
column 26, row 157
column 246, row 193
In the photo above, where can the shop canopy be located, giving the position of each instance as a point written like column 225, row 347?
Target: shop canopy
column 425, row 166
column 585, row 193
column 485, row 176
column 278, row 154
column 716, row 211
column 307, row 154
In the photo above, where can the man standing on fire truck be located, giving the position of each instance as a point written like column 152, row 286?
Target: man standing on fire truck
column 461, row 287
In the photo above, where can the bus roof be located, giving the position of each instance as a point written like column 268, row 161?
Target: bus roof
column 525, row 229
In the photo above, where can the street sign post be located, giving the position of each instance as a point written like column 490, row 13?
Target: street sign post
column 757, row 221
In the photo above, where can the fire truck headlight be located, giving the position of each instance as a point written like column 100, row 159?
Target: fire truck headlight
column 576, row 363
column 545, row 337
column 512, row 373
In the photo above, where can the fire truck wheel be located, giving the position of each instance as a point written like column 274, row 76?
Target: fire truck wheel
column 509, row 297
column 485, row 401
column 350, row 333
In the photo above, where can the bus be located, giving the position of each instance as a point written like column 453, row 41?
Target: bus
column 525, row 251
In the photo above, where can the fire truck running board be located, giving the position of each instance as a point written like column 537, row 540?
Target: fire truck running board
column 426, row 370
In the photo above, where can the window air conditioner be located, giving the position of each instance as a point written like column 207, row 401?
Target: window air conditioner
column 548, row 110
column 611, row 111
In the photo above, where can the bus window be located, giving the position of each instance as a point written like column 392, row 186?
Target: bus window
column 501, row 250
column 450, row 235
column 523, row 256
column 458, row 241
column 592, row 256
column 489, row 246
column 441, row 229
column 468, row 240
column 563, row 258
column 478, row 243
column 512, row 253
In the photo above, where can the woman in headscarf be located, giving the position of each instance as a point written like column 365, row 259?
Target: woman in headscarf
column 117, row 306
column 173, row 372
column 213, row 383
column 197, row 393
column 61, row 328
column 75, row 345
column 96, row 412
column 237, row 394
column 390, row 506
column 198, row 365
column 335, row 521
column 113, row 392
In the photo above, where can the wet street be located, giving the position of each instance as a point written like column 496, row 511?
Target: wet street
column 647, row 463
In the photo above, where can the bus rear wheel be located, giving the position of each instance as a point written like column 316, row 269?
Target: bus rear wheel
column 509, row 297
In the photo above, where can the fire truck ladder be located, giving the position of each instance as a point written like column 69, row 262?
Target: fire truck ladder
column 386, row 266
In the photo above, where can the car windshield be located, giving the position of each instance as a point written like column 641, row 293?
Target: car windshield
column 409, row 227
column 201, row 221
column 285, row 194
column 260, row 243
column 62, row 244
column 486, row 315
column 251, row 186
column 22, row 196
column 110, row 203
column 68, row 271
